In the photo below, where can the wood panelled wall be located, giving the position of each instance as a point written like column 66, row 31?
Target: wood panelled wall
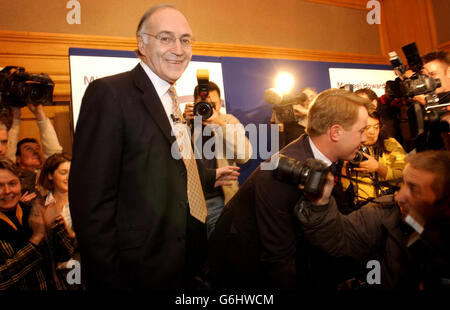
column 402, row 22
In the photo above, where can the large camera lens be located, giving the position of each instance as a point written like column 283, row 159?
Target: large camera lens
column 312, row 174
column 36, row 93
column 203, row 109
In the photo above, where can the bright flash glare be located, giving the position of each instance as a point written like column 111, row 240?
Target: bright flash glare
column 284, row 82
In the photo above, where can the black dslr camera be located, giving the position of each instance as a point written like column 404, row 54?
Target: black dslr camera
column 18, row 88
column 312, row 174
column 203, row 108
column 420, row 118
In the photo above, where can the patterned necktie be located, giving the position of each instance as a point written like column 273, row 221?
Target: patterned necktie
column 196, row 198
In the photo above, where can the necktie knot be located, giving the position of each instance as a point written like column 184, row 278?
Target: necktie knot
column 173, row 93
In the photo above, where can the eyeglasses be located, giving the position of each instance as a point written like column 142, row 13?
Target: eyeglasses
column 169, row 40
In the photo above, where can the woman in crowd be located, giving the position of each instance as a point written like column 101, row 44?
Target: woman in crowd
column 32, row 239
column 54, row 185
column 384, row 161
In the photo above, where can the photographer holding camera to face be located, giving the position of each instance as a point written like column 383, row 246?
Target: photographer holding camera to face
column 229, row 133
column 424, row 87
column 381, row 159
column 258, row 241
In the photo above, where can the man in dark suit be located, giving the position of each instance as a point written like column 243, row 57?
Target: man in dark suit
column 258, row 241
column 131, row 203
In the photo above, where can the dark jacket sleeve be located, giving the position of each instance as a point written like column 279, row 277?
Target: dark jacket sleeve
column 207, row 177
column 94, row 181
column 277, row 230
column 15, row 268
column 357, row 235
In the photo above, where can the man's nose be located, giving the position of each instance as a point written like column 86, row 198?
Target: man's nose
column 400, row 194
column 363, row 137
column 177, row 47
column 6, row 189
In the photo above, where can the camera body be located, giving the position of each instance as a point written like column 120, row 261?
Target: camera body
column 19, row 88
column 359, row 157
column 203, row 108
column 312, row 174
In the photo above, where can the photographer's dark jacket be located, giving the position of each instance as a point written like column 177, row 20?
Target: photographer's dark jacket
column 377, row 232
column 258, row 241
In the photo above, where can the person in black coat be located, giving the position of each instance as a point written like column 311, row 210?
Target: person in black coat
column 127, row 190
column 407, row 235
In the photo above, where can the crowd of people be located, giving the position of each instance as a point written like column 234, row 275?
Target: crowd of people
column 137, row 210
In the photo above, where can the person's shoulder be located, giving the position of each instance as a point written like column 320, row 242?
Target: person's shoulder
column 230, row 119
column 298, row 149
column 391, row 143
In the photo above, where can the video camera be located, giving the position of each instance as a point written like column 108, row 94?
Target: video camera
column 312, row 174
column 203, row 108
column 283, row 105
column 420, row 118
column 19, row 88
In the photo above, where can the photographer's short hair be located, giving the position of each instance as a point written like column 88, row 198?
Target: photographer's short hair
column 23, row 141
column 334, row 106
column 438, row 163
column 441, row 56
column 212, row 87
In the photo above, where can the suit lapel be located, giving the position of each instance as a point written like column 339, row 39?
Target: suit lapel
column 152, row 102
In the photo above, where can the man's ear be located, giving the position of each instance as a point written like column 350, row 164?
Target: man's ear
column 336, row 132
column 141, row 45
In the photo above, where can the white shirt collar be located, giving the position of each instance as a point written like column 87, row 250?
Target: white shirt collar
column 162, row 89
column 160, row 85
column 318, row 154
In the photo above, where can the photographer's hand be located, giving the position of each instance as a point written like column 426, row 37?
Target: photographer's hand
column 326, row 192
column 38, row 111
column 226, row 174
column 189, row 112
column 371, row 165
column 214, row 119
column 15, row 112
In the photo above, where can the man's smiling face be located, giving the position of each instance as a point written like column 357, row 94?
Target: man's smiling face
column 166, row 61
